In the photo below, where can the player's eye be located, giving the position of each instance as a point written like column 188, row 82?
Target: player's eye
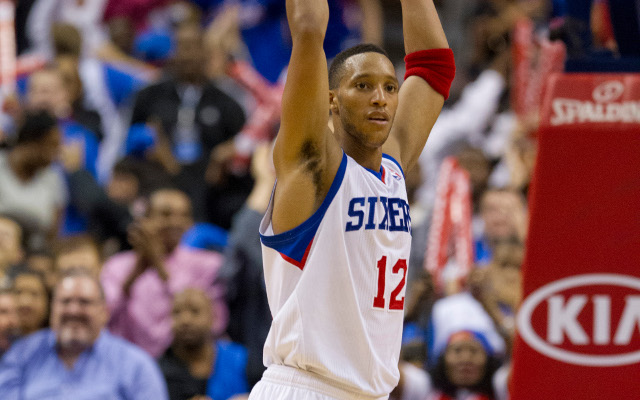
column 361, row 85
column 391, row 88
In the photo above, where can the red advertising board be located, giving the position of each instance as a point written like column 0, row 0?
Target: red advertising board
column 579, row 322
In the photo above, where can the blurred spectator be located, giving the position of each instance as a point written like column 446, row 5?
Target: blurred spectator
column 504, row 216
column 466, row 349
column 111, row 210
column 140, row 284
column 41, row 261
column 196, row 364
column 101, row 89
column 77, row 252
column 48, row 91
column 84, row 15
column 475, row 162
column 30, row 187
column 466, row 368
column 499, row 286
column 9, row 322
column 32, row 298
column 77, row 358
column 68, row 66
column 250, row 316
column 11, row 245
column 194, row 123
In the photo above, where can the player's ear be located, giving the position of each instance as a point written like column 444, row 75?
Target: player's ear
column 333, row 102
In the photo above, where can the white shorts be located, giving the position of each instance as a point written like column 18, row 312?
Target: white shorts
column 286, row 383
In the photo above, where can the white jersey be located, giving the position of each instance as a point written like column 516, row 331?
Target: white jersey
column 336, row 283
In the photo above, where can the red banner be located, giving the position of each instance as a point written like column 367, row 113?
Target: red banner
column 7, row 47
column 579, row 322
column 260, row 126
column 450, row 233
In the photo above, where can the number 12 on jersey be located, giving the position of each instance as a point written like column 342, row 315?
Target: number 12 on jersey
column 379, row 300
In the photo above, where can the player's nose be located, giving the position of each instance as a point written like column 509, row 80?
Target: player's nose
column 379, row 96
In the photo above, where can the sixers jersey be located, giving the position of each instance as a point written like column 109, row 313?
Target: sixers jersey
column 336, row 283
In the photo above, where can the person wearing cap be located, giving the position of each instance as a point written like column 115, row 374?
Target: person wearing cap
column 466, row 350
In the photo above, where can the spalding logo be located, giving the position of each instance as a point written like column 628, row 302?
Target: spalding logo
column 608, row 91
column 562, row 320
column 604, row 108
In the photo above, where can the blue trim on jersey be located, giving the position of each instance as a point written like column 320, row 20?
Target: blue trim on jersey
column 294, row 242
column 388, row 157
column 376, row 174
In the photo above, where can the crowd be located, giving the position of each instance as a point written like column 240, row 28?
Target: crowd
column 130, row 260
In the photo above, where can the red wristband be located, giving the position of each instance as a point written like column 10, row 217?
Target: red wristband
column 436, row 66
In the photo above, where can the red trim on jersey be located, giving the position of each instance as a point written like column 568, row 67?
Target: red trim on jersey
column 383, row 175
column 300, row 264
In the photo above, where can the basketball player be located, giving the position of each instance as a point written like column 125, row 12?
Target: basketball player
column 337, row 233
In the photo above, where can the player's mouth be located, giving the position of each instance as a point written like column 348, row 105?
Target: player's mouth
column 378, row 117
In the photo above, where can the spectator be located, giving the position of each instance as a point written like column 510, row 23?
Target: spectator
column 32, row 298
column 499, row 286
column 9, row 323
column 77, row 252
column 85, row 16
column 466, row 349
column 140, row 284
column 250, row 317
column 466, row 367
column 11, row 250
column 77, row 358
column 30, row 187
column 110, row 210
column 41, row 261
column 100, row 88
column 193, row 121
column 68, row 68
column 504, row 216
column 48, row 91
column 196, row 364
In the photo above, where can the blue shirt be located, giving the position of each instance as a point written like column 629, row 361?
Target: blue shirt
column 111, row 369
column 229, row 372
column 228, row 378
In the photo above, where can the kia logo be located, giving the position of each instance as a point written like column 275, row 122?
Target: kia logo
column 608, row 91
column 609, row 329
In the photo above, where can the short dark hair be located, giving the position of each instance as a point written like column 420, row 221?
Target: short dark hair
column 74, row 243
column 127, row 166
column 35, row 126
column 336, row 70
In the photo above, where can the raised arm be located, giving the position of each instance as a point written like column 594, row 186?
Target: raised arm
column 304, row 152
column 430, row 71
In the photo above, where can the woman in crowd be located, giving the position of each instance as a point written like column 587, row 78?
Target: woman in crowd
column 32, row 299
